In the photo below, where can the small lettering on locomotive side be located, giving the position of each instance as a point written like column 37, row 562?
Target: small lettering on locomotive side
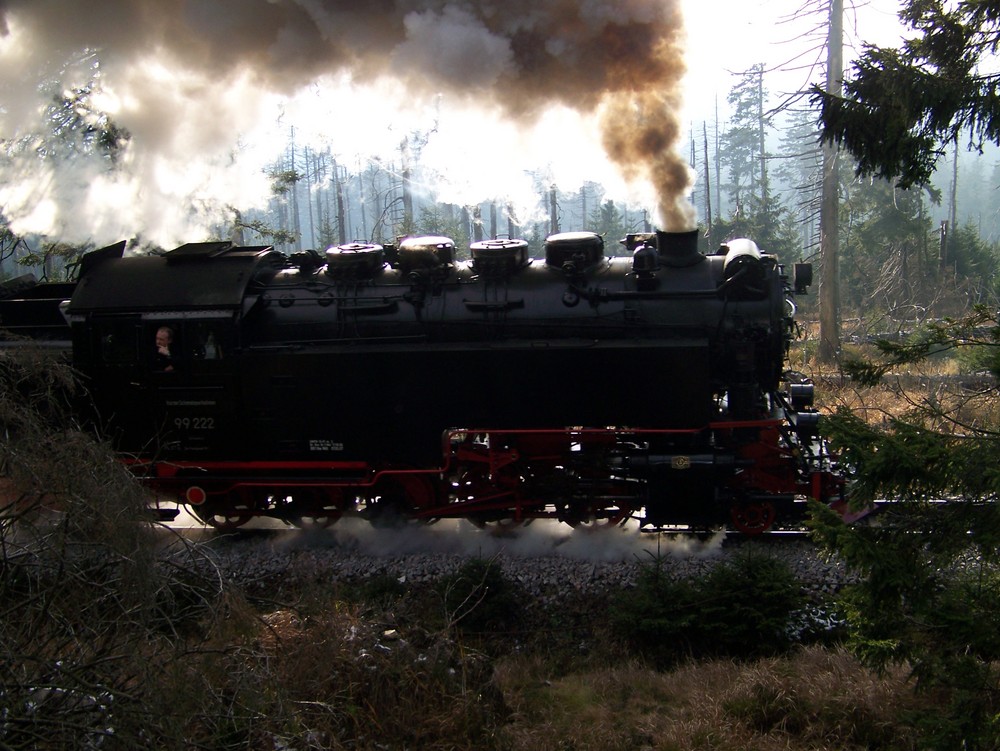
column 325, row 444
column 194, row 423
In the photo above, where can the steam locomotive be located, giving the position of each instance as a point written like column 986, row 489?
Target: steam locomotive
column 396, row 382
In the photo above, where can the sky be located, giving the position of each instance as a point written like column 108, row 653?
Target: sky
column 767, row 31
column 500, row 91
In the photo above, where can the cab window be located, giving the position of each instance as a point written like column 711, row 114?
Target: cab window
column 185, row 344
column 117, row 342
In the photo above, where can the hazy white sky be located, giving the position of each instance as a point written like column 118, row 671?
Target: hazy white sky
column 726, row 38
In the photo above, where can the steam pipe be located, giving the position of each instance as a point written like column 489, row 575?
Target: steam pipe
column 594, row 296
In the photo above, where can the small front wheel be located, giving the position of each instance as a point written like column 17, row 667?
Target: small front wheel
column 753, row 518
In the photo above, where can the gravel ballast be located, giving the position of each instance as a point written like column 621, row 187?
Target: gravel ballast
column 547, row 560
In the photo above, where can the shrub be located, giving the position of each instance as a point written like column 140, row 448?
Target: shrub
column 479, row 599
column 746, row 605
column 90, row 617
column 743, row 608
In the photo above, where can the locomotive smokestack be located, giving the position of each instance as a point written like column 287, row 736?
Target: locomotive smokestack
column 678, row 249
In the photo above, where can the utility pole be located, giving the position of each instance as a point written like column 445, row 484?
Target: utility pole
column 829, row 235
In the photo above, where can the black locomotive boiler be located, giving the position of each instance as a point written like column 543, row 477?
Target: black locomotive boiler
column 397, row 382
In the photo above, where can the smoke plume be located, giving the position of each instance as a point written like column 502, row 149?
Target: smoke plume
column 190, row 79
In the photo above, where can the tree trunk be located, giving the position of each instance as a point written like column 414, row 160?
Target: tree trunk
column 949, row 255
column 829, row 235
column 404, row 150
column 310, row 168
column 553, row 211
column 512, row 229
column 708, row 183
column 477, row 223
column 718, row 162
column 761, row 133
column 237, row 237
column 295, row 220
column 341, row 205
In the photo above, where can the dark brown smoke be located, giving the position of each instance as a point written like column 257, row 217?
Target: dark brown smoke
column 622, row 58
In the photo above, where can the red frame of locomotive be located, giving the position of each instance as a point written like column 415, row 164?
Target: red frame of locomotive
column 481, row 478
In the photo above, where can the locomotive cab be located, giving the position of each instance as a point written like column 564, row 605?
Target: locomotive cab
column 152, row 336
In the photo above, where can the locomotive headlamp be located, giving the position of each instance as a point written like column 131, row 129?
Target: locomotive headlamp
column 806, row 424
column 743, row 254
column 801, row 395
column 803, row 277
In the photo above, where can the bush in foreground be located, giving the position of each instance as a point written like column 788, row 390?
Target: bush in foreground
column 742, row 608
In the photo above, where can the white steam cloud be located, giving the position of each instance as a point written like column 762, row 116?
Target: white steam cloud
column 568, row 85
column 539, row 539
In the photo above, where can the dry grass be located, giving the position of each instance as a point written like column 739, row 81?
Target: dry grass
column 326, row 676
column 947, row 405
column 816, row 699
column 939, row 390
